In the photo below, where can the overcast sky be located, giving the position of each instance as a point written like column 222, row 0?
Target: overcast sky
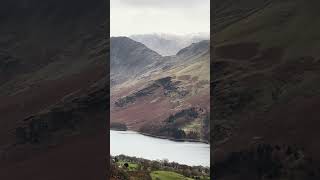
column 159, row 16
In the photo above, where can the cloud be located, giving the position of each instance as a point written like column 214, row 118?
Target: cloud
column 164, row 3
column 159, row 16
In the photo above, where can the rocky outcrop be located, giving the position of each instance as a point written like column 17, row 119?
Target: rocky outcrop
column 170, row 89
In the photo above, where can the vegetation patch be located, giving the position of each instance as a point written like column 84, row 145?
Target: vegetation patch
column 171, row 89
column 132, row 98
column 265, row 161
column 187, row 124
column 124, row 168
column 118, row 126
column 167, row 175
column 128, row 165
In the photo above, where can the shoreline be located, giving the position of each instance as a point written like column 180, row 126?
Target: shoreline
column 164, row 137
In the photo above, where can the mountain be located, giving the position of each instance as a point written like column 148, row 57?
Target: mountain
column 129, row 59
column 265, row 90
column 175, row 89
column 169, row 44
column 194, row 50
column 53, row 89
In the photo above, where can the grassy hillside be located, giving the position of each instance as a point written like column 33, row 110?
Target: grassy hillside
column 125, row 168
column 165, row 175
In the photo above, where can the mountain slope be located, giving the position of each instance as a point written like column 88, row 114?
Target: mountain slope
column 175, row 91
column 264, row 89
column 53, row 88
column 129, row 58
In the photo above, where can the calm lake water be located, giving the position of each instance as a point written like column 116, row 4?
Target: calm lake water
column 134, row 144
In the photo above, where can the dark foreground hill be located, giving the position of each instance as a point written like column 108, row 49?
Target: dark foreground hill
column 53, row 89
column 265, row 92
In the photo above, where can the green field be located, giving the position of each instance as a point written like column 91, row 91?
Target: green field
column 131, row 167
column 167, row 175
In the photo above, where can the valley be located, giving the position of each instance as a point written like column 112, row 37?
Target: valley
column 169, row 44
column 168, row 97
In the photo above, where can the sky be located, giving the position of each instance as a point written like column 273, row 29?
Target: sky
column 178, row 17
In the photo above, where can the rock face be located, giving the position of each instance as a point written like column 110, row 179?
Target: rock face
column 170, row 86
column 264, row 88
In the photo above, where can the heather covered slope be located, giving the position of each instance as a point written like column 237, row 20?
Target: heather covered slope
column 266, row 68
column 53, row 88
column 169, row 99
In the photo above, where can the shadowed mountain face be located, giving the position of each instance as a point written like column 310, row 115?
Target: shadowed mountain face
column 129, row 59
column 53, row 89
column 162, row 96
column 266, row 68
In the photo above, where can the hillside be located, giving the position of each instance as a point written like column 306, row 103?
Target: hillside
column 174, row 88
column 53, row 89
column 265, row 90
column 129, row 59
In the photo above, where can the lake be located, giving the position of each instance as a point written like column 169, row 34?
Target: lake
column 131, row 143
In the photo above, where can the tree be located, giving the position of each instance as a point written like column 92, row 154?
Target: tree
column 126, row 165
column 193, row 135
column 179, row 134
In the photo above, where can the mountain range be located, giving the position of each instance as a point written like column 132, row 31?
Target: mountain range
column 158, row 95
column 169, row 44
